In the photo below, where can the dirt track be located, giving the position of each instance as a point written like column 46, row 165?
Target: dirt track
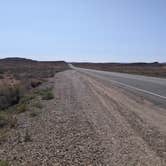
column 91, row 122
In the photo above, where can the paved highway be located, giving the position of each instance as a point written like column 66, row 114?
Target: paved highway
column 149, row 87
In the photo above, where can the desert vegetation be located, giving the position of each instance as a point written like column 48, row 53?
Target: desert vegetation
column 18, row 76
column 9, row 95
column 46, row 94
column 4, row 163
column 19, row 92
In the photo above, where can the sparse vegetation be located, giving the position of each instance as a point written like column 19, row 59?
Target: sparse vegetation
column 7, row 119
column 27, row 98
column 4, row 163
column 29, row 74
column 3, row 136
column 38, row 105
column 9, row 95
column 12, row 121
column 20, row 82
column 47, row 94
column 35, row 83
column 25, row 69
column 21, row 107
column 34, row 113
column 3, row 119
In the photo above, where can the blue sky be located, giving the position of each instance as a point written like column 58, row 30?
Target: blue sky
column 84, row 30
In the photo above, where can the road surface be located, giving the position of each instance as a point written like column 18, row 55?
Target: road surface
column 149, row 87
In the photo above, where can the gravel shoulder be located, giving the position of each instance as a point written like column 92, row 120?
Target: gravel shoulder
column 89, row 122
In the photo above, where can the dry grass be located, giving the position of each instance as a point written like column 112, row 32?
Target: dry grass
column 4, row 163
column 7, row 119
column 3, row 119
column 34, row 114
column 9, row 95
column 22, row 75
column 38, row 105
column 47, row 94
column 19, row 78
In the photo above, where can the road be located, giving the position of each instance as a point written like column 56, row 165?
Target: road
column 131, row 128
column 128, row 110
column 151, row 88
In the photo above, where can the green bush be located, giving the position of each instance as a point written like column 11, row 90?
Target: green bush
column 4, row 163
column 22, row 107
column 38, row 105
column 12, row 122
column 34, row 113
column 7, row 119
column 3, row 120
column 46, row 94
column 3, row 137
column 27, row 98
column 9, row 96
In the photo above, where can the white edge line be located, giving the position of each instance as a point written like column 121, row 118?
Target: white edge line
column 141, row 90
column 138, row 89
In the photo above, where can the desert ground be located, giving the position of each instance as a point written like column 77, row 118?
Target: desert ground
column 87, row 121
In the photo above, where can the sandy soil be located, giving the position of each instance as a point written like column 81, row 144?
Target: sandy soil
column 90, row 122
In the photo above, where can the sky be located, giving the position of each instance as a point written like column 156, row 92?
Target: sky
column 84, row 30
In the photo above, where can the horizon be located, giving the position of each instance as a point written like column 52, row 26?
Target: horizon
column 24, row 58
column 84, row 31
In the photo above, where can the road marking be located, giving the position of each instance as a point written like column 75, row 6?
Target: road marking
column 141, row 90
column 129, row 86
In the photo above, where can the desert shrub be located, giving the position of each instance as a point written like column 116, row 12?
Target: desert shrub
column 21, row 107
column 38, row 105
column 9, row 96
column 3, row 136
column 3, row 120
column 27, row 98
column 4, row 163
column 46, row 94
column 51, row 73
column 35, row 83
column 12, row 122
column 7, row 119
column 34, row 113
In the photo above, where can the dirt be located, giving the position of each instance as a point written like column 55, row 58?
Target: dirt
column 8, row 80
column 89, row 122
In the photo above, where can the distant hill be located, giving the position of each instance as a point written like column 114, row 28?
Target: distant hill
column 20, row 65
column 24, row 60
column 15, row 61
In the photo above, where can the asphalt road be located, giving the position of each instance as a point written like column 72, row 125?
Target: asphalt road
column 151, row 88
